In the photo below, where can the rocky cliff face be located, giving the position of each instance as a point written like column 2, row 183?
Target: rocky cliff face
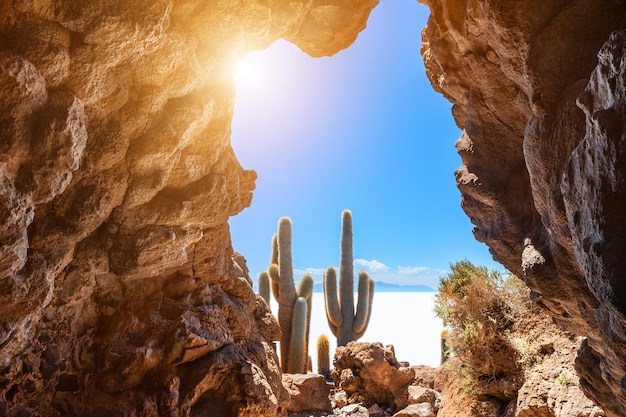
column 539, row 91
column 120, row 293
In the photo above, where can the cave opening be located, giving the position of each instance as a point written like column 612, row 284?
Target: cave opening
column 361, row 130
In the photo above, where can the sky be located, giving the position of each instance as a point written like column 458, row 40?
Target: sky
column 362, row 130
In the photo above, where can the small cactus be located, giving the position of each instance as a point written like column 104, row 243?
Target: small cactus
column 342, row 320
column 445, row 346
column 323, row 356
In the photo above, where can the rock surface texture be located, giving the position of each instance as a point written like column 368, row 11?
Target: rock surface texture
column 370, row 374
column 120, row 293
column 307, row 393
column 539, row 91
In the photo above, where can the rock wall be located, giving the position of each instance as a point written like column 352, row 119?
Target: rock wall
column 120, row 293
column 539, row 91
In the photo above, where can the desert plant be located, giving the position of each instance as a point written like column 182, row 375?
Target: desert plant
column 475, row 307
column 297, row 359
column 564, row 379
column 344, row 323
column 465, row 373
column 294, row 305
column 264, row 286
column 444, row 346
column 527, row 350
column 323, row 356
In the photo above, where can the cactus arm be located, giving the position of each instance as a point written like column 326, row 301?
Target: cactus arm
column 264, row 286
column 273, row 268
column 297, row 359
column 333, row 310
column 305, row 287
column 363, row 306
column 309, row 304
column 274, row 257
column 272, row 271
column 305, row 290
column 358, row 335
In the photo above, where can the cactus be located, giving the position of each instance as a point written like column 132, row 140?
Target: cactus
column 273, row 268
column 342, row 320
column 323, row 356
column 297, row 361
column 290, row 302
column 445, row 347
column 264, row 286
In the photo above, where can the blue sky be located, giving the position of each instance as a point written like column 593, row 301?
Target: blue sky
column 361, row 130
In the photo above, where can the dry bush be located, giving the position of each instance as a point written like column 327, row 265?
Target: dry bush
column 479, row 307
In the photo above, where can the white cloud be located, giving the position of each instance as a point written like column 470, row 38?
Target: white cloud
column 372, row 265
column 411, row 270
column 316, row 272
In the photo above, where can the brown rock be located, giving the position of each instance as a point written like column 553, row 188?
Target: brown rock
column 354, row 410
column 418, row 394
column 339, row 399
column 417, row 410
column 307, row 392
column 375, row 409
column 539, row 94
column 370, row 374
column 118, row 280
column 551, row 387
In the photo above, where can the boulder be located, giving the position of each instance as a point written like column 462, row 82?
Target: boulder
column 354, row 410
column 307, row 392
column 417, row 410
column 418, row 394
column 370, row 374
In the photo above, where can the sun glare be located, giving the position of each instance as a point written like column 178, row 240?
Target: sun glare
column 245, row 70
column 252, row 71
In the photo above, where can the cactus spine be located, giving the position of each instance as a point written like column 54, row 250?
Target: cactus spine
column 294, row 306
column 342, row 320
column 323, row 356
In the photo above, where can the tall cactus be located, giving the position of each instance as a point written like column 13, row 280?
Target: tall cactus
column 342, row 320
column 294, row 306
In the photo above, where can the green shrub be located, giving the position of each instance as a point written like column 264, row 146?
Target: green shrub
column 527, row 350
column 564, row 379
column 476, row 305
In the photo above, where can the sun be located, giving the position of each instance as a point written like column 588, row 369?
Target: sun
column 244, row 70
column 252, row 70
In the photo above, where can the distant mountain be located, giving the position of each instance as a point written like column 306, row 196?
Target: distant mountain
column 386, row 287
